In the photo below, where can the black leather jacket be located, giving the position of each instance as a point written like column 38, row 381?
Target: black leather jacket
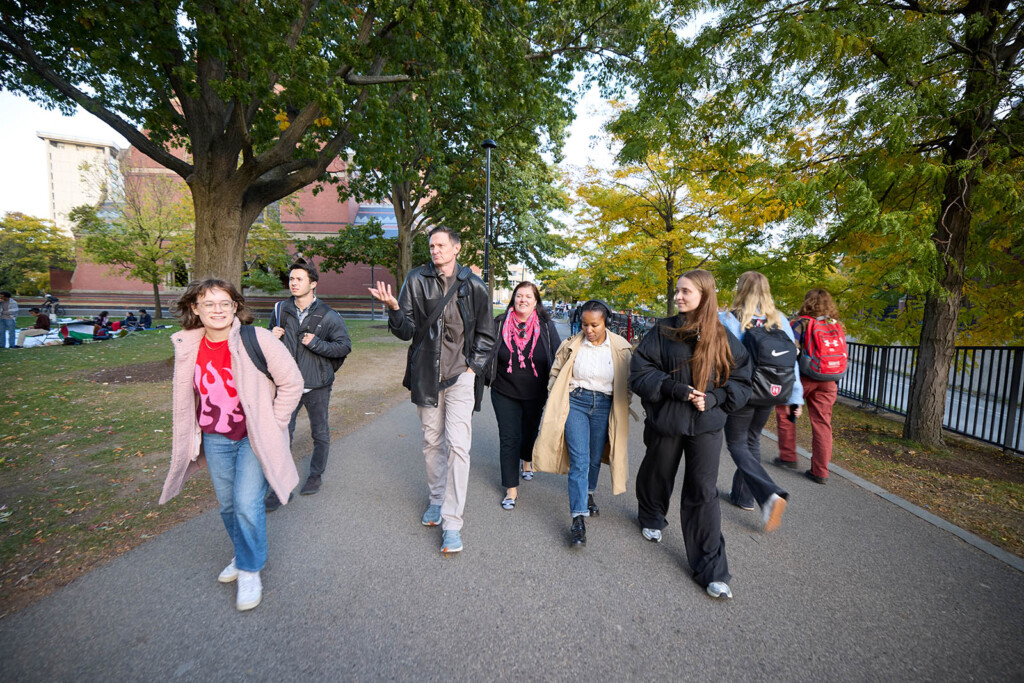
column 331, row 340
column 660, row 373
column 422, row 291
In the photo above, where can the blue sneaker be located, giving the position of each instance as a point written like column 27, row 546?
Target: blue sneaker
column 451, row 542
column 432, row 517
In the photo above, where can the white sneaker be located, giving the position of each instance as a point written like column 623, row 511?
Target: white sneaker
column 771, row 512
column 719, row 589
column 250, row 590
column 229, row 574
column 653, row 535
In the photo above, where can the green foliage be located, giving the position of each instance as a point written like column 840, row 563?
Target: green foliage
column 266, row 255
column 253, row 101
column 894, row 131
column 363, row 243
column 28, row 248
column 143, row 228
column 563, row 284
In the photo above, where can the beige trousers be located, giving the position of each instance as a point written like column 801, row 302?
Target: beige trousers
column 30, row 332
column 447, row 436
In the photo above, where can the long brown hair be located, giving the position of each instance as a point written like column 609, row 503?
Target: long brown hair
column 711, row 353
column 197, row 288
column 818, row 303
column 754, row 297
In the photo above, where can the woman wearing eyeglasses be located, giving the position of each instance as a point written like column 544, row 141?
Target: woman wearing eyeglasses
column 518, row 376
column 586, row 419
column 230, row 416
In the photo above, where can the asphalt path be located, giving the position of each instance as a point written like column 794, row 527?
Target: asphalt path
column 852, row 587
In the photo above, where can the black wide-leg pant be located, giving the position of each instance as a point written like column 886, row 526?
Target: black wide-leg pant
column 699, row 508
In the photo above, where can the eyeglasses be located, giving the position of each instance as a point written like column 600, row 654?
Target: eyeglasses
column 521, row 330
column 209, row 306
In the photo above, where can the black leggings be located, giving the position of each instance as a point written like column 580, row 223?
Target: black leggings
column 699, row 511
column 518, row 424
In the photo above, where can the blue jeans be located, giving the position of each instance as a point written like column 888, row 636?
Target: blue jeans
column 586, row 433
column 240, row 486
column 7, row 333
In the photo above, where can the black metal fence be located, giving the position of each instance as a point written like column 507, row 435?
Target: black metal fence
column 983, row 398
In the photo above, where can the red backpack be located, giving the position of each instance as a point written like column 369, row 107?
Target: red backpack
column 823, row 356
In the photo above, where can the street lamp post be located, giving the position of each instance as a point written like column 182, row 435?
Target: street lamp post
column 488, row 144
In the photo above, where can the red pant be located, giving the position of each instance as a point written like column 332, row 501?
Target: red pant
column 818, row 399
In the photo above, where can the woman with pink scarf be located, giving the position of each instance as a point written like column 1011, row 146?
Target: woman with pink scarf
column 527, row 340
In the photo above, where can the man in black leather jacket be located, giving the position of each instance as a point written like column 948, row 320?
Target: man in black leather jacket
column 316, row 336
column 445, row 369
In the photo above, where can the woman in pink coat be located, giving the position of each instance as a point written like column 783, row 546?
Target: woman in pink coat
column 231, row 415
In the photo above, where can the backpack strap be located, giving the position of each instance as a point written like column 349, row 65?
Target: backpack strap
column 252, row 347
column 435, row 314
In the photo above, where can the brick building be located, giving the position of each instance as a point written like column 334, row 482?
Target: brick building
column 92, row 285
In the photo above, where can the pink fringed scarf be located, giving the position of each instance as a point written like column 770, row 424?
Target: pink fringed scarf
column 517, row 343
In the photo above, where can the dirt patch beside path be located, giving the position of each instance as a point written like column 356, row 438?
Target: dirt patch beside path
column 81, row 498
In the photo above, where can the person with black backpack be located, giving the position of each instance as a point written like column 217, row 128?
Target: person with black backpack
column 823, row 358
column 775, row 380
column 316, row 336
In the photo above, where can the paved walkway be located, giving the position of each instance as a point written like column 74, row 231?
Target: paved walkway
column 852, row 587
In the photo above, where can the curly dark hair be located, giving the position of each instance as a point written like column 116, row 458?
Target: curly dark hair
column 818, row 303
column 183, row 306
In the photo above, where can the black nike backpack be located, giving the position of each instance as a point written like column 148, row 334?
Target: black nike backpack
column 774, row 356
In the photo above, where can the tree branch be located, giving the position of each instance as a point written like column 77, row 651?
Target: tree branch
column 21, row 49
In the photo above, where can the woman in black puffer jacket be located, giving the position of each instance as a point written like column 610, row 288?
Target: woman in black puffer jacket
column 689, row 372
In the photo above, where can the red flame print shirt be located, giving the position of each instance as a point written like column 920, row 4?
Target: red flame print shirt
column 217, row 409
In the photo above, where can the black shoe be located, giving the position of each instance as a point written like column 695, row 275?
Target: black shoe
column 578, row 532
column 311, row 486
column 741, row 506
column 779, row 462
column 815, row 478
column 592, row 506
column 272, row 502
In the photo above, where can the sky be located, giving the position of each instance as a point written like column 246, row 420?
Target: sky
column 23, row 177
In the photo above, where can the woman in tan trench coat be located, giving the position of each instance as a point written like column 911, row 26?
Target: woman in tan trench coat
column 586, row 415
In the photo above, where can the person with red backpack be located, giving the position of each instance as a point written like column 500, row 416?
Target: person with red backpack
column 823, row 358
column 775, row 380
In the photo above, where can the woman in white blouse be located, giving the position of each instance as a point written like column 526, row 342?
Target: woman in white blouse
column 586, row 415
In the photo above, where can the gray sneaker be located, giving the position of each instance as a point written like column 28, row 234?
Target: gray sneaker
column 432, row 517
column 652, row 535
column 451, row 542
column 719, row 589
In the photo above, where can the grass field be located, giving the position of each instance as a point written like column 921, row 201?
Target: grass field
column 972, row 485
column 85, row 446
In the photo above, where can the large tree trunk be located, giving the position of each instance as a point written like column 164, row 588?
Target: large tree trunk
column 938, row 329
column 221, row 229
column 157, row 307
column 952, row 230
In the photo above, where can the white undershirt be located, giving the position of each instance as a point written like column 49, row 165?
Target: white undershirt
column 593, row 368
